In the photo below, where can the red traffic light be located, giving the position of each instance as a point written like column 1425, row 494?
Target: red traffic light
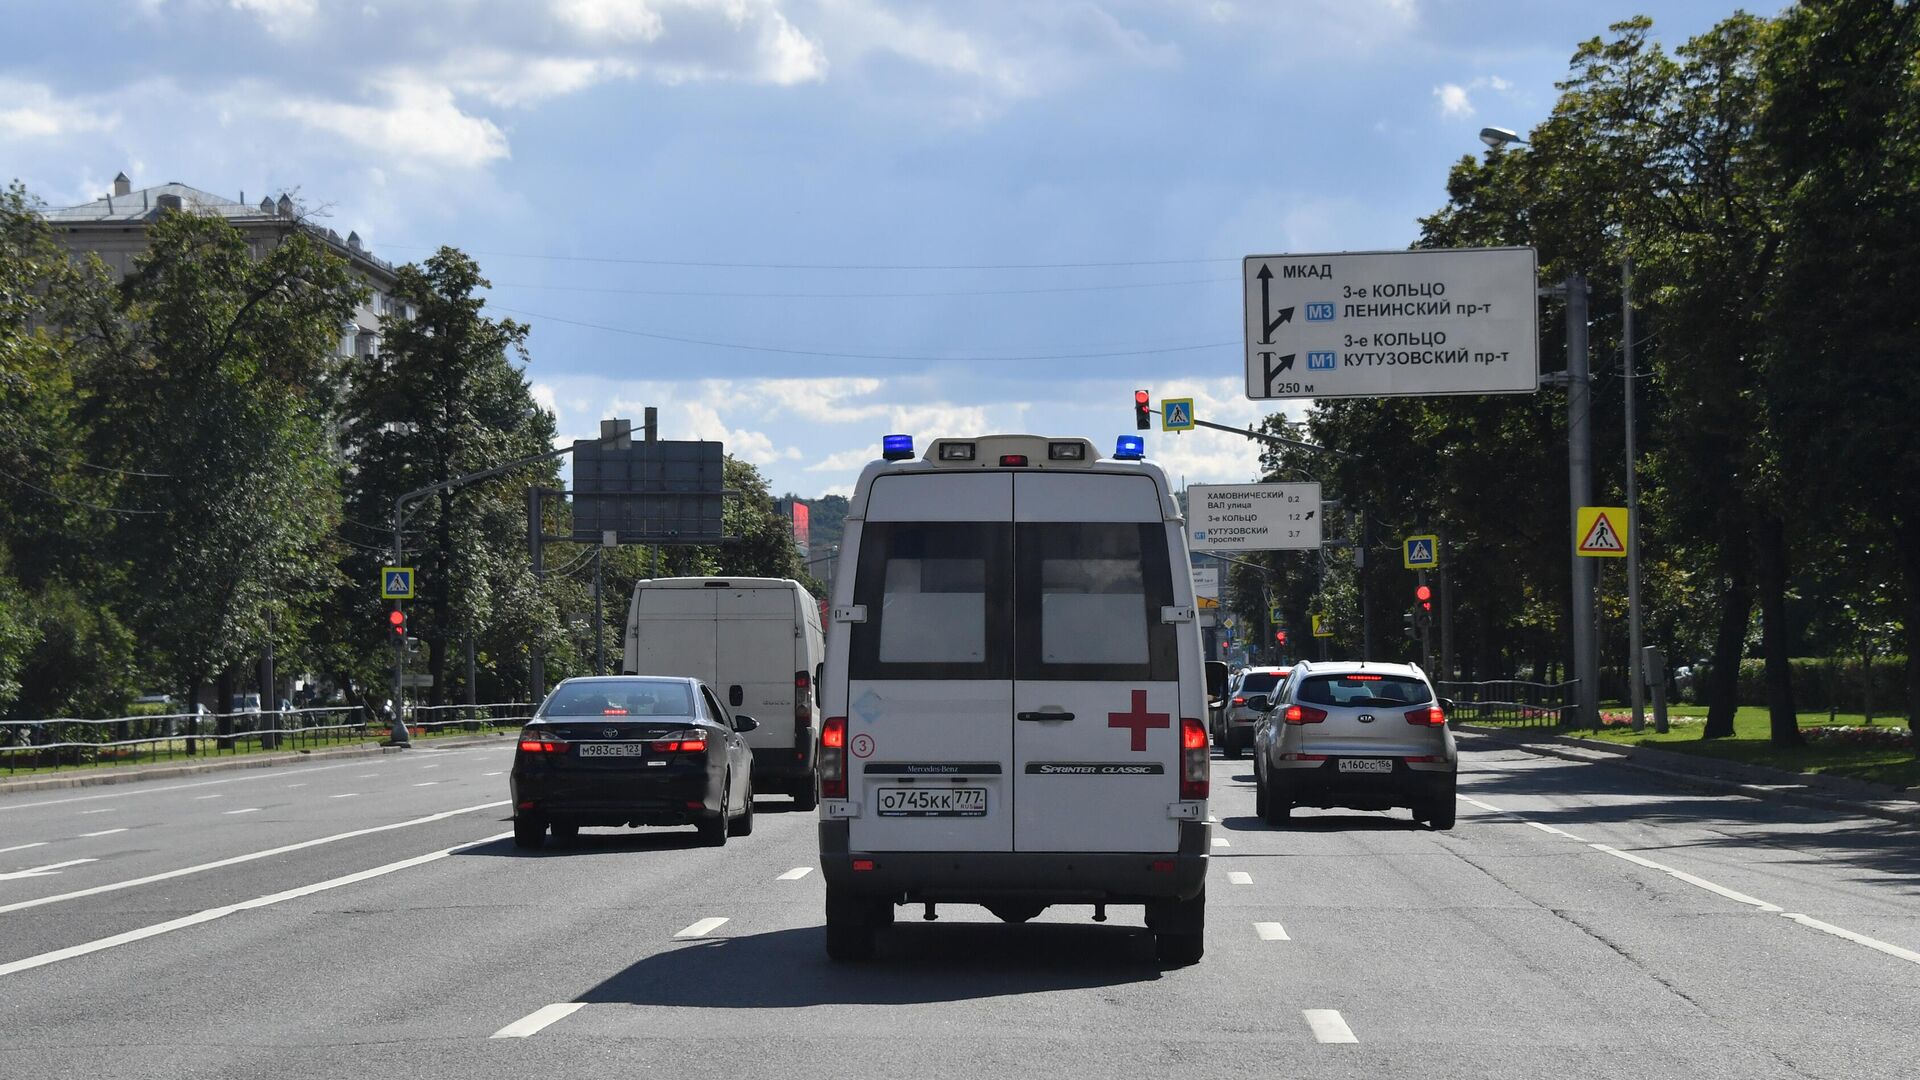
column 1280, row 636
column 1423, row 594
column 397, row 617
column 1140, row 397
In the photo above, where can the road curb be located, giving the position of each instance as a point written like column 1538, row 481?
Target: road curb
column 136, row 773
column 1753, row 781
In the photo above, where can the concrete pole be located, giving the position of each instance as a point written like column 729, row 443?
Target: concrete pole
column 1586, row 645
column 397, row 733
column 599, row 633
column 1635, row 680
column 537, row 657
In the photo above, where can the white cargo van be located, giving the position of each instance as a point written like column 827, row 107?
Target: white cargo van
column 1015, row 700
column 757, row 642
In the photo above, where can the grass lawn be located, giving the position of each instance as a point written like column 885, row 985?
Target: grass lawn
column 1890, row 764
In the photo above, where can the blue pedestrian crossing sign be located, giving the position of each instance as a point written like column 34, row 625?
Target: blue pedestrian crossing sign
column 396, row 583
column 1421, row 552
column 1176, row 414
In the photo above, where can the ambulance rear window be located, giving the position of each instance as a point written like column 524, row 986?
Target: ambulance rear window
column 935, row 596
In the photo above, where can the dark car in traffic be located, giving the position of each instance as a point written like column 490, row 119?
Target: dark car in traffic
column 632, row 750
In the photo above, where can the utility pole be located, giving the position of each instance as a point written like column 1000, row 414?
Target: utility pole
column 1586, row 645
column 1636, row 678
column 599, row 634
column 1446, row 611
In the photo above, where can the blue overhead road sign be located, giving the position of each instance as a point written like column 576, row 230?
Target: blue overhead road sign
column 396, row 583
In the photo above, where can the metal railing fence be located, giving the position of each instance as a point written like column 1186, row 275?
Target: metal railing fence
column 34, row 745
column 497, row 716
column 1511, row 701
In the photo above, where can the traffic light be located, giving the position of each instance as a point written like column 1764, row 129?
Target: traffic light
column 397, row 619
column 1280, row 636
column 1142, row 415
column 1423, row 606
column 1407, row 625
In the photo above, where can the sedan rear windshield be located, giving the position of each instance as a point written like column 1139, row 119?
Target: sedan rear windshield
column 1259, row 682
column 1363, row 688
column 626, row 697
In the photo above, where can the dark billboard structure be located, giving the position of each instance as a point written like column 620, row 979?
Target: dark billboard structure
column 648, row 492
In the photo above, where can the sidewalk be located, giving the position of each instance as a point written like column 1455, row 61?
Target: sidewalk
column 174, row 770
column 1834, row 793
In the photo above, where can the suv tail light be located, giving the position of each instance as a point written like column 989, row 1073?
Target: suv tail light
column 833, row 758
column 537, row 741
column 1239, row 700
column 688, row 741
column 1194, row 781
column 1304, row 714
column 1432, row 715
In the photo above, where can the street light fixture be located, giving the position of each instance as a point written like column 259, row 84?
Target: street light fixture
column 1498, row 138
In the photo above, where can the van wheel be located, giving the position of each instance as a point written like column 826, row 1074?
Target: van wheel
column 529, row 832
column 850, row 927
column 1015, row 913
column 806, row 796
column 743, row 825
column 1179, row 930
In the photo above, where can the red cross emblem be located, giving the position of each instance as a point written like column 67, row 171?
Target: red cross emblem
column 1139, row 720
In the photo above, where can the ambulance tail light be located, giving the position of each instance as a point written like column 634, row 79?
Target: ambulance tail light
column 1194, row 768
column 833, row 758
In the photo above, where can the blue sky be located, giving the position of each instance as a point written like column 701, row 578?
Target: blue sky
column 937, row 218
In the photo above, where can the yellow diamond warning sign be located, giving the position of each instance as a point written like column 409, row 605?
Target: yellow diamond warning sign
column 1601, row 531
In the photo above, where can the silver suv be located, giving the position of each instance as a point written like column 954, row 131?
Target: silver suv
column 1246, row 703
column 1359, row 735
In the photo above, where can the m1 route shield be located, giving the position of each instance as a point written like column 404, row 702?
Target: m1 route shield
column 1392, row 323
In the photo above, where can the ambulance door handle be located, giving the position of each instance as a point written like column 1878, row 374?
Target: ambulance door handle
column 1046, row 714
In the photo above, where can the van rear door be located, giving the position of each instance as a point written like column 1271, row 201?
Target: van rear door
column 674, row 633
column 1097, row 685
column 754, row 637
column 929, row 669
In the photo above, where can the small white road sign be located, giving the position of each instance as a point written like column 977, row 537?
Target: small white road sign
column 1392, row 323
column 1254, row 517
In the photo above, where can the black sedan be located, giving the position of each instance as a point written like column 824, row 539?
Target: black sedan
column 632, row 750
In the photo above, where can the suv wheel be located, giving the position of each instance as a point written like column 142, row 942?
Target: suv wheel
column 1235, row 747
column 1279, row 804
column 851, row 921
column 1260, row 795
column 1439, row 814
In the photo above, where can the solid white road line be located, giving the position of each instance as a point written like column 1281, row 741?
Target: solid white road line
column 103, row 832
column 211, row 914
column 1327, row 1026
column 795, row 874
column 44, row 871
column 1860, row 939
column 1271, row 931
column 538, row 1019
column 248, row 810
column 1554, row 831
column 1688, row 878
column 247, row 858
column 1221, row 841
column 1239, row 877
column 1484, row 806
column 702, row 928
column 23, row 847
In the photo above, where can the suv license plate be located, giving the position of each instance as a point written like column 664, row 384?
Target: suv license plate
column 613, row 749
column 1372, row 765
column 933, row 802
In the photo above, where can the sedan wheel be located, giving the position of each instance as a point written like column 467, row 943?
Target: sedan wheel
column 529, row 832
column 743, row 825
column 713, row 830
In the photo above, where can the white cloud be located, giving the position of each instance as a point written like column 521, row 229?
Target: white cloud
column 620, row 20
column 281, row 17
column 418, row 124
column 31, row 111
column 1454, row 100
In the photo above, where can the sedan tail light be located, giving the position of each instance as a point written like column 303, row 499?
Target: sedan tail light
column 1431, row 715
column 535, row 740
column 686, row 741
column 833, row 758
column 1194, row 775
column 1304, row 714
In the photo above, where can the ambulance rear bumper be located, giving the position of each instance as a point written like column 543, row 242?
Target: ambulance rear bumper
column 1051, row 877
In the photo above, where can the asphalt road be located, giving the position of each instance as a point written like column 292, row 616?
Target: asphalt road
column 371, row 919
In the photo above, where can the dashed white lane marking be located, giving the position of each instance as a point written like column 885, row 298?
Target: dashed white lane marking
column 538, row 1019
column 23, row 847
column 210, row 914
column 1221, row 841
column 344, row 795
column 44, row 871
column 1271, row 931
column 204, row 798
column 1860, row 939
column 248, row 857
column 429, row 783
column 702, row 928
column 296, row 785
column 366, row 775
column 104, row 810
column 103, row 832
column 433, row 766
column 248, row 810
column 502, row 772
column 1327, row 1025
column 1239, row 877
column 1688, row 878
column 795, row 874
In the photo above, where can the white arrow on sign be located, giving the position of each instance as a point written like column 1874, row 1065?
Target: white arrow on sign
column 44, row 871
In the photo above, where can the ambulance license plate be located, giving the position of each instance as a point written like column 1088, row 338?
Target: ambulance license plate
column 1373, row 765
column 933, row 802
column 613, row 749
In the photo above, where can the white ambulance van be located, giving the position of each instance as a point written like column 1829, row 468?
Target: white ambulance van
column 1015, row 701
column 757, row 642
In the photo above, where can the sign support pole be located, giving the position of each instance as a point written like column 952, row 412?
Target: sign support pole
column 1636, row 680
column 1586, row 645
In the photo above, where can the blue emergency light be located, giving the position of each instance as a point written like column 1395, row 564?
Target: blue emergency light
column 896, row 447
column 1130, row 448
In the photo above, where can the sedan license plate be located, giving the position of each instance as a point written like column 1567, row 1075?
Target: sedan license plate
column 1369, row 765
column 613, row 749
column 933, row 802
